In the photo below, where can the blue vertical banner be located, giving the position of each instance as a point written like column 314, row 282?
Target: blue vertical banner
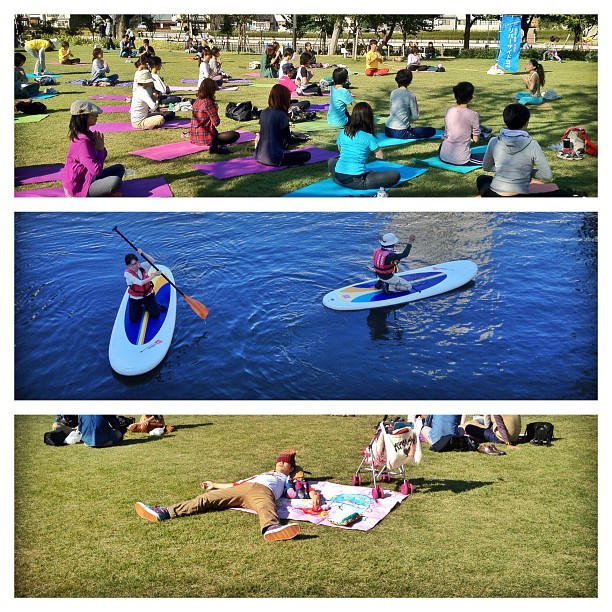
column 509, row 43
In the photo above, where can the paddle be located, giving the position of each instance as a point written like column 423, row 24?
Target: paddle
column 196, row 306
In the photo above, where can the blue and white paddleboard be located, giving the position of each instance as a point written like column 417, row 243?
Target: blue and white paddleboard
column 426, row 282
column 136, row 348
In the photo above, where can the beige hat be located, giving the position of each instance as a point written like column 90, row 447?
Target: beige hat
column 144, row 77
column 84, row 107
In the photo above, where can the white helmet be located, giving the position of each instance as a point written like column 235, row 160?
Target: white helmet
column 389, row 239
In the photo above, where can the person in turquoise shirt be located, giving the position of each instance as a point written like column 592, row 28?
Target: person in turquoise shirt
column 340, row 99
column 356, row 142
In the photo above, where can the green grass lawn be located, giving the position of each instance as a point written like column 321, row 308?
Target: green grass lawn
column 522, row 525
column 575, row 81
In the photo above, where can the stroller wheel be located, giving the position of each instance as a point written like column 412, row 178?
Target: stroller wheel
column 354, row 479
column 381, row 492
column 375, row 492
column 407, row 488
column 359, row 479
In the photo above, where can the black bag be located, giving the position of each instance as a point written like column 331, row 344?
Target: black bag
column 540, row 433
column 55, row 437
column 31, row 108
column 240, row 111
column 303, row 105
column 70, row 420
column 454, row 443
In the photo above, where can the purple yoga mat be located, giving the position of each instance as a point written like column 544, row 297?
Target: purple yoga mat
column 181, row 88
column 248, row 165
column 126, row 126
column 173, row 150
column 101, row 97
column 155, row 187
column 39, row 174
column 117, row 108
column 318, row 107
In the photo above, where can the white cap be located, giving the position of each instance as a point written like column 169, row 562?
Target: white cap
column 389, row 239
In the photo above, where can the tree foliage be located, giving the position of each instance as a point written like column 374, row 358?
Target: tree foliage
column 579, row 25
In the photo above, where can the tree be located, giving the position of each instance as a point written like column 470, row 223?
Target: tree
column 337, row 30
column 242, row 21
column 122, row 23
column 227, row 28
column 579, row 25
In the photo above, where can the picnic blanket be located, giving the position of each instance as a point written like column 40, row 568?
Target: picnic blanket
column 327, row 187
column 338, row 498
column 29, row 118
column 385, row 141
column 126, row 126
column 436, row 162
column 154, row 187
column 173, row 150
column 240, row 166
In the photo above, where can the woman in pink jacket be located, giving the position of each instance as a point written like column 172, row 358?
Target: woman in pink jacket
column 84, row 172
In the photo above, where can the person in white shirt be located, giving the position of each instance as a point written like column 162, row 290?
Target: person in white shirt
column 143, row 108
column 258, row 493
column 204, row 68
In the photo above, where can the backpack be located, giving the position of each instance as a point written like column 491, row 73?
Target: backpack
column 580, row 140
column 55, row 437
column 46, row 80
column 454, row 443
column 540, row 433
column 241, row 111
column 31, row 108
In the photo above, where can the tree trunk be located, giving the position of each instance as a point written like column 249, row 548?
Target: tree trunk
column 335, row 36
column 466, row 32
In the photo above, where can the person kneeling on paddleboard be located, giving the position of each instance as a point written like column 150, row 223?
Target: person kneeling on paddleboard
column 386, row 261
column 140, row 287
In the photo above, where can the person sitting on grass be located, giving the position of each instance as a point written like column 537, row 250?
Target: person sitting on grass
column 356, row 141
column 100, row 70
column 414, row 61
column 144, row 113
column 23, row 87
column 84, row 172
column 534, row 79
column 270, row 61
column 275, row 134
column 287, row 78
column 373, row 60
column 205, row 119
column 496, row 428
column 286, row 59
column 100, row 430
column 258, row 493
column 403, row 109
column 386, row 262
column 303, row 77
column 142, row 65
column 461, row 128
column 125, row 47
column 145, row 51
column 430, row 51
column 160, row 90
column 140, row 287
column 65, row 55
column 340, row 99
column 515, row 158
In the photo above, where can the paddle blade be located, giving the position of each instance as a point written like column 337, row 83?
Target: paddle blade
column 197, row 307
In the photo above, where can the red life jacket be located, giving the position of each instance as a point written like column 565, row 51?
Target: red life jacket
column 380, row 266
column 139, row 291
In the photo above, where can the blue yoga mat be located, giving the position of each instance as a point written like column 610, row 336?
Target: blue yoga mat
column 385, row 141
column 43, row 96
column 327, row 187
column 36, row 76
column 436, row 162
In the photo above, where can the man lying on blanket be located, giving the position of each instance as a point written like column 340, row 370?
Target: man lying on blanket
column 258, row 493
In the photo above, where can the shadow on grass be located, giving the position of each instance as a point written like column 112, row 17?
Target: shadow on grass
column 177, row 427
column 145, row 438
column 454, row 486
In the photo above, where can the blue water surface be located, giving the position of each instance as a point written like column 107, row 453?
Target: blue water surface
column 525, row 328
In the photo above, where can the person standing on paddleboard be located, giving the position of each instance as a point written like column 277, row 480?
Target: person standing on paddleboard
column 386, row 261
column 140, row 287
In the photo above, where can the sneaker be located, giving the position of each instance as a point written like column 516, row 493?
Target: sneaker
column 281, row 532
column 223, row 150
column 152, row 513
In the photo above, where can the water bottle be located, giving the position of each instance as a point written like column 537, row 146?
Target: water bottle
column 382, row 193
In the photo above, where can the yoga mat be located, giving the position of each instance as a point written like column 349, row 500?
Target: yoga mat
column 319, row 125
column 233, row 81
column 155, row 187
column 182, row 88
column 436, row 162
column 126, row 126
column 29, row 118
column 318, row 107
column 229, row 88
column 327, row 187
column 252, row 74
column 339, row 498
column 173, row 150
column 117, row 108
column 43, row 96
column 385, row 141
column 39, row 174
column 60, row 64
column 240, row 166
column 36, row 76
column 101, row 97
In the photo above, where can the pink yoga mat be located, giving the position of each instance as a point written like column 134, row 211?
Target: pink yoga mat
column 39, row 174
column 252, row 74
column 101, row 97
column 249, row 165
column 117, row 108
column 126, row 126
column 173, row 150
column 155, row 187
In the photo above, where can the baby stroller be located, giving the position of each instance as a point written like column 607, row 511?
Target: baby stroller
column 395, row 443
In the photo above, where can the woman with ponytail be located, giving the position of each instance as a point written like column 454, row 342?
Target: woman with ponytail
column 534, row 79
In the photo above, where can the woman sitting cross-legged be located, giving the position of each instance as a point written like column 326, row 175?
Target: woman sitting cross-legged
column 356, row 141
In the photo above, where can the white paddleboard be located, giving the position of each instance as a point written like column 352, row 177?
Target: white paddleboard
column 426, row 282
column 136, row 348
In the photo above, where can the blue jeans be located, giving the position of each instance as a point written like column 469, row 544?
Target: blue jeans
column 412, row 132
column 482, row 434
column 524, row 97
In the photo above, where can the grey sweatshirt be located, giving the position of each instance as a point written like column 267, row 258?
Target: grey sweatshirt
column 515, row 158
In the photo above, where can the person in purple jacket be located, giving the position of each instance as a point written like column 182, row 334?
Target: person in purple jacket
column 84, row 172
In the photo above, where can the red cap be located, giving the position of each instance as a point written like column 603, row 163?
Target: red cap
column 287, row 456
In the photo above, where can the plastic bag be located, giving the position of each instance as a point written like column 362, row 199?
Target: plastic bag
column 74, row 437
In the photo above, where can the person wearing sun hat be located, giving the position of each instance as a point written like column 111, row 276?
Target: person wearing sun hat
column 37, row 48
column 258, row 493
column 143, row 109
column 386, row 261
column 84, row 172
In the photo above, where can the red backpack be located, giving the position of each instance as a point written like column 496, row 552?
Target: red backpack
column 580, row 140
